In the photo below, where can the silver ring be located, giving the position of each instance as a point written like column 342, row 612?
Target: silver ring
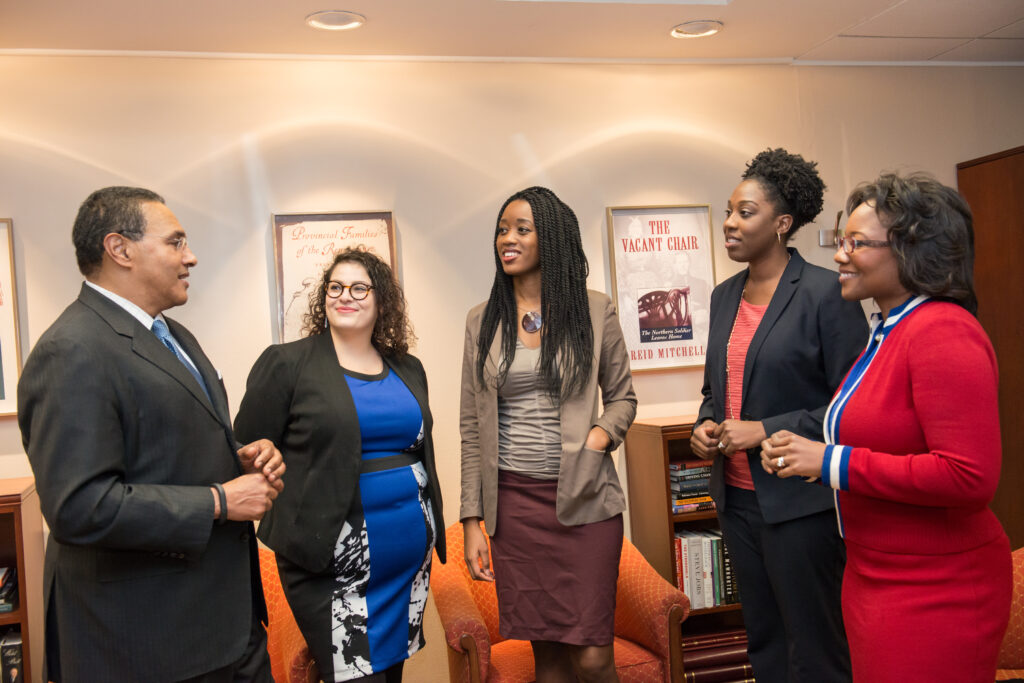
column 780, row 463
column 721, row 446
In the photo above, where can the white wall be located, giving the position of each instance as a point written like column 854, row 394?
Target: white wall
column 228, row 142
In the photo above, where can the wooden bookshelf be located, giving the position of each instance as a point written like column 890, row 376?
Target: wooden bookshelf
column 21, row 546
column 651, row 444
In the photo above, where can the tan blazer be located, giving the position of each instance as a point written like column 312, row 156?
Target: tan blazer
column 588, row 485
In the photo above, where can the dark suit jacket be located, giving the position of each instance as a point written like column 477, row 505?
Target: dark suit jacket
column 806, row 342
column 297, row 397
column 140, row 584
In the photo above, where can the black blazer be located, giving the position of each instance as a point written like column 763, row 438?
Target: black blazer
column 139, row 583
column 806, row 342
column 297, row 397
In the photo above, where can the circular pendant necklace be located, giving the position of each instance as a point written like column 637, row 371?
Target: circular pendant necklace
column 532, row 321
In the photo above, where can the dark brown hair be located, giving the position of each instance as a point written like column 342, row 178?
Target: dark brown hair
column 930, row 231
column 392, row 332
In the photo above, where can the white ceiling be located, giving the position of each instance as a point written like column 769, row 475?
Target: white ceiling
column 945, row 31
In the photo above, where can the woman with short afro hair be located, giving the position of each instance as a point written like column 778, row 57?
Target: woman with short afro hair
column 780, row 342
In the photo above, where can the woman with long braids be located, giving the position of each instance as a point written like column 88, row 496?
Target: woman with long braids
column 780, row 342
column 546, row 396
column 347, row 406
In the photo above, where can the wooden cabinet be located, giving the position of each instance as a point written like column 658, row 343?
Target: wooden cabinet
column 651, row 444
column 21, row 546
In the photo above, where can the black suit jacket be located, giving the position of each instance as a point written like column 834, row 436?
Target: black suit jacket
column 806, row 342
column 297, row 397
column 139, row 582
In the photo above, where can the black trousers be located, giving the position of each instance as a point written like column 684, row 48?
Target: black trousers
column 253, row 665
column 790, row 578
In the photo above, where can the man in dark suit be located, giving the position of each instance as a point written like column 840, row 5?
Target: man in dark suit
column 151, row 571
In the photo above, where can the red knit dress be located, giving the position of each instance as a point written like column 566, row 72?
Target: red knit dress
column 927, row 588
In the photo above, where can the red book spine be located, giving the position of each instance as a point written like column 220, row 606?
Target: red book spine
column 714, row 638
column 720, row 674
column 714, row 655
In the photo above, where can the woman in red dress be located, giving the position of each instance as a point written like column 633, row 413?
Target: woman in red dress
column 913, row 448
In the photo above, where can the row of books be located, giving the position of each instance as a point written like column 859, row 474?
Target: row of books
column 8, row 589
column 11, row 657
column 688, row 480
column 717, row 657
column 704, row 569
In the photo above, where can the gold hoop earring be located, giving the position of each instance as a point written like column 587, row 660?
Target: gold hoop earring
column 779, row 235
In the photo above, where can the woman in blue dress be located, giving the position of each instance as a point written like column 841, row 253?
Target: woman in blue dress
column 347, row 406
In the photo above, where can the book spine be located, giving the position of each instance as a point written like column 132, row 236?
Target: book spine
column 693, row 507
column 677, row 547
column 725, row 673
column 736, row 635
column 714, row 655
column 706, row 568
column 687, row 475
column 684, row 549
column 719, row 571
column 728, row 577
column 697, row 567
column 683, row 465
column 690, row 485
column 685, row 500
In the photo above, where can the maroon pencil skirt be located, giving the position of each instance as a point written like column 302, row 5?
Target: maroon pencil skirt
column 554, row 582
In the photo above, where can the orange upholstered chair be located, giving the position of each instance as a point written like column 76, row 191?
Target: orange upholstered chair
column 290, row 661
column 648, row 613
column 1011, row 655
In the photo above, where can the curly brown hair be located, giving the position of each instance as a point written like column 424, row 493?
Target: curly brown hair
column 392, row 332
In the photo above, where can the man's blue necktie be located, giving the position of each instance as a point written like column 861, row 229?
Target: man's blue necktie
column 163, row 334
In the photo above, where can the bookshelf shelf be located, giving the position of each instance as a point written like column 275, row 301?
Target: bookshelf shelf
column 695, row 516
column 8, row 618
column 713, row 610
column 21, row 545
column 652, row 444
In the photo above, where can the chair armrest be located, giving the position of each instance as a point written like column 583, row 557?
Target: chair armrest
column 460, row 617
column 650, row 609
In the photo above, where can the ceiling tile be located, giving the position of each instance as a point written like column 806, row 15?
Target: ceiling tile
column 941, row 19
column 856, row 49
column 987, row 50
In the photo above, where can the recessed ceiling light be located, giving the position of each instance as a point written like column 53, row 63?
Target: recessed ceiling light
column 699, row 28
column 335, row 20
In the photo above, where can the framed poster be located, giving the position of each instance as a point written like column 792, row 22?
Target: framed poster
column 10, row 342
column 305, row 244
column 662, row 277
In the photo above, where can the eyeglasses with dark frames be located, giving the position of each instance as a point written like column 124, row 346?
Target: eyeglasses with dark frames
column 357, row 290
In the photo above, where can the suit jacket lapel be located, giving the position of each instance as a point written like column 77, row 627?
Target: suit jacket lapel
column 324, row 362
column 206, row 371
column 783, row 293
column 493, row 361
column 147, row 346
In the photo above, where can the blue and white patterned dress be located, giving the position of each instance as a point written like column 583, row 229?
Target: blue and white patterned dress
column 382, row 557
